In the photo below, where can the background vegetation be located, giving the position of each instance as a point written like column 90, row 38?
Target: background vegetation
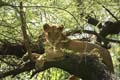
column 70, row 13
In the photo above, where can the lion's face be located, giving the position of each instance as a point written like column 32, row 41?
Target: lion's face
column 53, row 33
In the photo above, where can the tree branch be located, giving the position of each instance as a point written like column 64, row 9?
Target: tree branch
column 23, row 28
column 94, row 22
column 110, row 13
column 87, row 67
column 91, row 32
column 27, row 67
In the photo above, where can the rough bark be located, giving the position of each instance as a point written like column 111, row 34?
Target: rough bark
column 19, row 50
column 87, row 67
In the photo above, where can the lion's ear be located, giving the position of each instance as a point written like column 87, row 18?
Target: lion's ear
column 46, row 26
column 61, row 28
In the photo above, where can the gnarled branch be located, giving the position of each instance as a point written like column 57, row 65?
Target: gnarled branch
column 87, row 67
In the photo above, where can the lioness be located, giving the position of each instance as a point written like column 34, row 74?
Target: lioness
column 58, row 41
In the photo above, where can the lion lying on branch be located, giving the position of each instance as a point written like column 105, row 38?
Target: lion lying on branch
column 59, row 44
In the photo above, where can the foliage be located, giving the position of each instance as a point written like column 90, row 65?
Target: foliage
column 70, row 13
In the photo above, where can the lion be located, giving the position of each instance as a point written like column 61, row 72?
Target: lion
column 58, row 42
column 56, row 39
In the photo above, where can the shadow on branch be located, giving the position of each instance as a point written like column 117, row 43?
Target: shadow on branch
column 87, row 67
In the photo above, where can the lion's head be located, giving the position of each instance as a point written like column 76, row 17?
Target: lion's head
column 53, row 33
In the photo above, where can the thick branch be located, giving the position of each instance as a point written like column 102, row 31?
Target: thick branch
column 19, row 50
column 109, row 28
column 94, row 22
column 27, row 67
column 87, row 67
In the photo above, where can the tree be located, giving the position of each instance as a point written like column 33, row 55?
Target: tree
column 71, row 14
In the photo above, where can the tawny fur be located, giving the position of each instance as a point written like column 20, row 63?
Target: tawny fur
column 57, row 40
